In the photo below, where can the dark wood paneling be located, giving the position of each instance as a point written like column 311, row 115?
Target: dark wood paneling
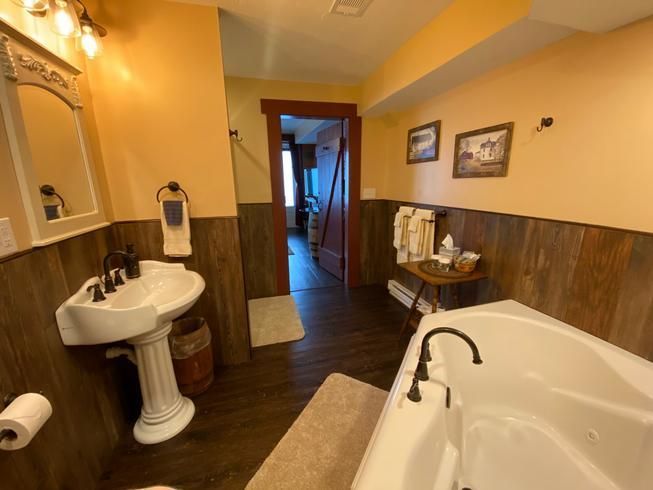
column 594, row 278
column 257, row 244
column 87, row 392
column 632, row 323
column 376, row 242
column 598, row 277
column 217, row 258
column 240, row 419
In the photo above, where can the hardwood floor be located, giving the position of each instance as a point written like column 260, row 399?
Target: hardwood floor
column 249, row 408
column 305, row 271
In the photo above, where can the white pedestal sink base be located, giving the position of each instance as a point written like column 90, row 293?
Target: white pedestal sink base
column 165, row 413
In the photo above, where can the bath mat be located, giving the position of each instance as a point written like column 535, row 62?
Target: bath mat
column 290, row 252
column 325, row 445
column 274, row 320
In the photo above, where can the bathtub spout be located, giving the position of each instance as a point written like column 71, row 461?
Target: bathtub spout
column 422, row 370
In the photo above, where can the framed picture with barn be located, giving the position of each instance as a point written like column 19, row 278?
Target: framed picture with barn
column 423, row 143
column 483, row 152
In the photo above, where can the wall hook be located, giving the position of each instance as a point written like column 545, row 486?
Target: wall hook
column 234, row 132
column 545, row 122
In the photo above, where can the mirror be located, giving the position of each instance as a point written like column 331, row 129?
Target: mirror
column 56, row 151
column 43, row 114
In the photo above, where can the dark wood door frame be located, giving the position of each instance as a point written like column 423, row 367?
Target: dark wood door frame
column 273, row 109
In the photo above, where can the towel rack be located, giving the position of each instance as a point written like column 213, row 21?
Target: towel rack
column 172, row 186
column 442, row 214
column 48, row 191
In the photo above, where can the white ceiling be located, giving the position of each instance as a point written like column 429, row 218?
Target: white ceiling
column 305, row 130
column 299, row 40
column 591, row 16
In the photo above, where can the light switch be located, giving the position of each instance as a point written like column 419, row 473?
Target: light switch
column 7, row 239
column 369, row 193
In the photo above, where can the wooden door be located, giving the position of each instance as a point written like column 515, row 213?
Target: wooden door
column 331, row 224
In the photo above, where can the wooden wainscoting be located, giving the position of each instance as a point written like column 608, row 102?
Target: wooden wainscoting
column 257, row 243
column 87, row 392
column 594, row 278
column 217, row 258
column 376, row 242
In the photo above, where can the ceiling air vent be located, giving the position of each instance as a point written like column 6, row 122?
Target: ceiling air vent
column 353, row 8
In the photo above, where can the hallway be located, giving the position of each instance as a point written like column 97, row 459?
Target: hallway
column 305, row 271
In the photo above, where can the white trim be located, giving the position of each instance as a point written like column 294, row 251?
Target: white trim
column 63, row 236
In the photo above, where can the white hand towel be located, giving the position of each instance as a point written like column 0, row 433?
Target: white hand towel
column 176, row 239
column 400, row 241
column 421, row 242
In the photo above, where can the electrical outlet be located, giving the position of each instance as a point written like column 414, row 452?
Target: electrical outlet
column 7, row 239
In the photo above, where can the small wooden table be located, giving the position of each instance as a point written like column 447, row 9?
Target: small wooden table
column 437, row 282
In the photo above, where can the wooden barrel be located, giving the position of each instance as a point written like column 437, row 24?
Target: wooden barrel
column 313, row 234
column 192, row 355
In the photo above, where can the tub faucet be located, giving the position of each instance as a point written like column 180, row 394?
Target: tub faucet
column 422, row 370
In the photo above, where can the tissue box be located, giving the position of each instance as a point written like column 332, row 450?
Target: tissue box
column 449, row 252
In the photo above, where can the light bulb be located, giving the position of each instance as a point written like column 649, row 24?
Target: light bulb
column 90, row 42
column 32, row 5
column 63, row 19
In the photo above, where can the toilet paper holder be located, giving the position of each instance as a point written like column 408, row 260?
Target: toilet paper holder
column 8, row 433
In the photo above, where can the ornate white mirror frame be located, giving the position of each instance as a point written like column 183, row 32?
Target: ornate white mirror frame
column 24, row 61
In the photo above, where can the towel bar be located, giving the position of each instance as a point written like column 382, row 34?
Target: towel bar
column 172, row 186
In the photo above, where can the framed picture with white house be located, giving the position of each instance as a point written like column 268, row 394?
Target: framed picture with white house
column 423, row 143
column 483, row 152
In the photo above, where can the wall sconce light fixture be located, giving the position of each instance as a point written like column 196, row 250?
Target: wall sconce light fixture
column 65, row 21
column 90, row 41
column 37, row 8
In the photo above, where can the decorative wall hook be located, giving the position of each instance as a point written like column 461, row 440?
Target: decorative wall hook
column 545, row 122
column 234, row 133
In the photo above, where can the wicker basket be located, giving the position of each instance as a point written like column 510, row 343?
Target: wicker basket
column 461, row 264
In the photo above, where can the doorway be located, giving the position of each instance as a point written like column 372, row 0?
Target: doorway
column 314, row 151
column 311, row 167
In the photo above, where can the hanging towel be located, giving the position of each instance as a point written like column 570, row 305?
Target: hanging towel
column 53, row 211
column 176, row 239
column 400, row 241
column 421, row 234
column 173, row 212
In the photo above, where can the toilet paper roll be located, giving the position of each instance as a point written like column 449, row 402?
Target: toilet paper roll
column 24, row 416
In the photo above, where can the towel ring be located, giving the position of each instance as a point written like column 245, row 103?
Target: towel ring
column 172, row 186
column 48, row 191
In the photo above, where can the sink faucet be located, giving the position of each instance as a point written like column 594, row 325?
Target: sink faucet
column 130, row 261
column 422, row 370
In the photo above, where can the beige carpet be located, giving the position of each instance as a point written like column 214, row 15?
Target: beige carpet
column 274, row 320
column 324, row 447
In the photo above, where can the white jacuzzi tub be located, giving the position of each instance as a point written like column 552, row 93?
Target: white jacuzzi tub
column 550, row 408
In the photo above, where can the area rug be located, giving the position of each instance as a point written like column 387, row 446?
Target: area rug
column 274, row 320
column 324, row 447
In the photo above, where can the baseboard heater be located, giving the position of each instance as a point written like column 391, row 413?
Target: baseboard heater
column 406, row 297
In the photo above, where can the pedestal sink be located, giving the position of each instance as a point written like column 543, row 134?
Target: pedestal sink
column 140, row 312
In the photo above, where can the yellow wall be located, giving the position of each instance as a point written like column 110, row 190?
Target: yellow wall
column 591, row 166
column 250, row 157
column 462, row 25
column 161, row 108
